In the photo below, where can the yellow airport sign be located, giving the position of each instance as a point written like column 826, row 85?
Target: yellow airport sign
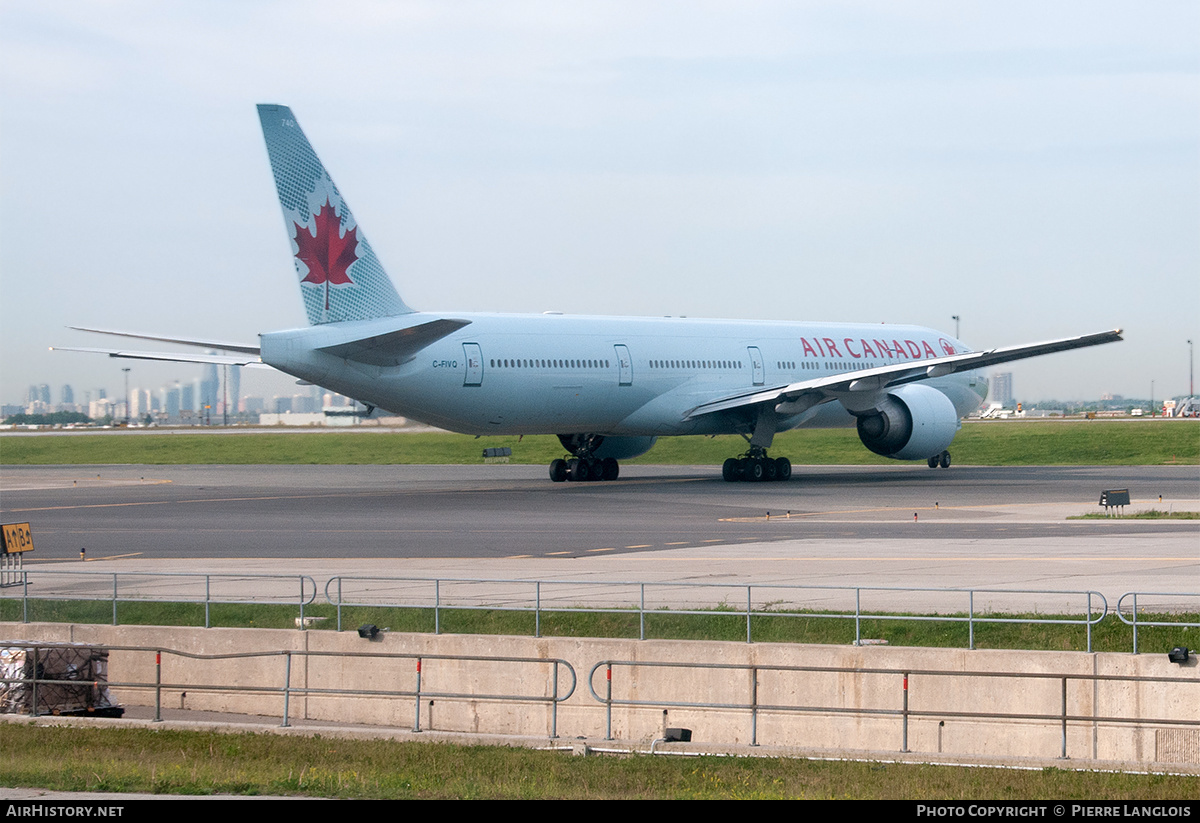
column 17, row 538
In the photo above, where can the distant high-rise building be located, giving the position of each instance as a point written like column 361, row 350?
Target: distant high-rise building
column 169, row 404
column 68, row 395
column 44, row 393
column 234, row 387
column 210, row 387
column 1002, row 388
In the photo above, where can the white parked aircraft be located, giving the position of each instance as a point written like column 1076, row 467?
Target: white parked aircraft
column 607, row 386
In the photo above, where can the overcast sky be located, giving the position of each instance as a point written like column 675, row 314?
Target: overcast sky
column 1032, row 167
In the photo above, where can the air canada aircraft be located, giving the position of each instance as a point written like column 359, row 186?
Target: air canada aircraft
column 608, row 387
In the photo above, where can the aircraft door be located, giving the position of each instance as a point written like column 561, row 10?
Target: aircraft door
column 624, row 365
column 756, row 364
column 473, row 356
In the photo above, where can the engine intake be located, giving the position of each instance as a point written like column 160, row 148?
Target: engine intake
column 913, row 422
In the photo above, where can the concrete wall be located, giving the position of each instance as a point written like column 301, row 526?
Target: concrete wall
column 846, row 698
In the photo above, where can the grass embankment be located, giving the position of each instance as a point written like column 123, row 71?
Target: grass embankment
column 201, row 763
column 1151, row 514
column 996, row 443
column 1110, row 635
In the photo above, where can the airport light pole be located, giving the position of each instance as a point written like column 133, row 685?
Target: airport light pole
column 1191, row 373
column 955, row 318
column 126, row 370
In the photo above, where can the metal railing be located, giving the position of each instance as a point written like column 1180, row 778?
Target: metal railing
column 286, row 690
column 643, row 600
column 904, row 679
column 542, row 597
column 1129, row 602
column 189, row 588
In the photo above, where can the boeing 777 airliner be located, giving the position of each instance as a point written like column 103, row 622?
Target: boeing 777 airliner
column 607, row 386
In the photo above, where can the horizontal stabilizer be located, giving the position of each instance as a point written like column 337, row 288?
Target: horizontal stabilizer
column 248, row 360
column 395, row 347
column 219, row 345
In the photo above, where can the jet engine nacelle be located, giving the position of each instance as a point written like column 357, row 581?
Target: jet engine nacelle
column 602, row 446
column 914, row 422
column 622, row 448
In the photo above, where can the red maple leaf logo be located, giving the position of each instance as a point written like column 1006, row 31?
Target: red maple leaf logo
column 946, row 346
column 328, row 255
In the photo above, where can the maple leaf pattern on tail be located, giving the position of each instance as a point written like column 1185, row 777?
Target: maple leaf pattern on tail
column 328, row 255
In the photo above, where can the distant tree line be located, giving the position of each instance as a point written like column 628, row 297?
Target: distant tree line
column 52, row 419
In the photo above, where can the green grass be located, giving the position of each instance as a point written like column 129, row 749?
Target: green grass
column 206, row 763
column 1152, row 514
column 1149, row 442
column 1111, row 634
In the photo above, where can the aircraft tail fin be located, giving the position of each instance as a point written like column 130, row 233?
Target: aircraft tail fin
column 340, row 277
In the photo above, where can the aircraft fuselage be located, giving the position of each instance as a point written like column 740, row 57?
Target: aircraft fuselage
column 635, row 376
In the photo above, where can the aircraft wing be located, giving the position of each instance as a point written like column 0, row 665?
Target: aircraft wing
column 808, row 393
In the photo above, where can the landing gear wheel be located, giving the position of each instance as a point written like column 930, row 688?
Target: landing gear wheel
column 944, row 460
column 783, row 468
column 612, row 469
column 595, row 469
column 576, row 470
column 932, row 462
column 754, row 466
column 730, row 471
column 769, row 472
column 754, row 471
column 558, row 470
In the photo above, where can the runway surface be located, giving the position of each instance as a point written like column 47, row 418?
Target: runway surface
column 867, row 526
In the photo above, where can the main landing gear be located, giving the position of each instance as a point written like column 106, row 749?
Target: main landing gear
column 942, row 460
column 583, row 466
column 754, row 466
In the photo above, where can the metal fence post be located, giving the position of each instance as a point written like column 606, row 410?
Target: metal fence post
column 537, row 608
column 754, row 706
column 1064, row 718
column 1135, row 617
column 114, row 603
column 302, row 601
column 904, row 741
column 437, row 613
column 857, row 616
column 158, row 685
column 24, row 597
column 339, row 603
column 971, row 619
column 749, row 601
column 554, row 706
column 1089, row 622
column 33, row 707
column 608, row 702
column 287, row 685
column 207, row 602
column 642, row 613
column 417, row 717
